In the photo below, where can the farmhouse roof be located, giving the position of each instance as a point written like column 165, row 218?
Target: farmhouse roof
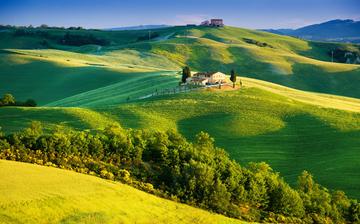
column 206, row 74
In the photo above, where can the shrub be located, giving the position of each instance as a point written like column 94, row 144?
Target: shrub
column 124, row 176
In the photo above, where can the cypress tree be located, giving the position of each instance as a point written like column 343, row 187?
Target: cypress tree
column 233, row 77
column 186, row 73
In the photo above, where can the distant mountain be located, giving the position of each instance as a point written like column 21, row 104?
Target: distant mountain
column 334, row 30
column 140, row 27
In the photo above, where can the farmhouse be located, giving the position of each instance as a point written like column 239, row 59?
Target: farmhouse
column 213, row 22
column 206, row 78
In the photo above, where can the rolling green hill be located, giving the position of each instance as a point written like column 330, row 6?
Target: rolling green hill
column 13, row 119
column 51, row 75
column 292, row 130
column 70, row 70
column 36, row 194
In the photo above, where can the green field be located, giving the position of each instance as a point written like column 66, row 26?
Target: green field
column 53, row 78
column 257, row 125
column 62, row 71
column 36, row 194
column 13, row 119
column 90, row 87
column 291, row 130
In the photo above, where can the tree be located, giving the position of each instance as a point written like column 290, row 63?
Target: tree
column 354, row 211
column 233, row 77
column 8, row 99
column 287, row 201
column 306, row 182
column 30, row 103
column 44, row 26
column 186, row 73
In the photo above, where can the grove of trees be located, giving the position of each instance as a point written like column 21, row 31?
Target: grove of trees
column 9, row 100
column 198, row 173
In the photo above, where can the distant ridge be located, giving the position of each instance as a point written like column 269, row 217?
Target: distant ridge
column 334, row 30
column 140, row 27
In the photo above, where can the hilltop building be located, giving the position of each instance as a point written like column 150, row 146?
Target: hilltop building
column 213, row 23
column 205, row 23
column 206, row 78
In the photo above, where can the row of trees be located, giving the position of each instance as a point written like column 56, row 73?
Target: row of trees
column 43, row 26
column 66, row 39
column 196, row 173
column 9, row 100
column 79, row 40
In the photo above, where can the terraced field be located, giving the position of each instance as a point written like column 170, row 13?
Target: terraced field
column 36, row 194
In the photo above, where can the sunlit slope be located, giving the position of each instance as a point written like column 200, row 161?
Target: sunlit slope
column 73, row 70
column 13, row 119
column 37, row 194
column 291, row 130
column 123, row 91
column 285, row 60
column 51, row 75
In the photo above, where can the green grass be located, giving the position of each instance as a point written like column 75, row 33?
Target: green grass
column 291, row 62
column 36, row 194
column 289, row 129
column 51, row 80
column 13, row 119
column 69, row 70
column 122, row 91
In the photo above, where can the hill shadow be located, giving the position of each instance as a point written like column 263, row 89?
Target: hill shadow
column 305, row 143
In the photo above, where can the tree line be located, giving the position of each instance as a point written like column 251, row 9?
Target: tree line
column 79, row 40
column 9, row 100
column 45, row 26
column 198, row 173
column 68, row 38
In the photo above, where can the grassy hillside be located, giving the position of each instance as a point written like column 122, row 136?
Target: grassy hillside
column 67, row 70
column 49, row 75
column 36, row 194
column 290, row 129
column 122, row 91
column 280, row 59
column 13, row 119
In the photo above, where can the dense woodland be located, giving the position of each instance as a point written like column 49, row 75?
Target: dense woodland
column 199, row 173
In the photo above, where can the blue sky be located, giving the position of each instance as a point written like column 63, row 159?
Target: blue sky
column 116, row 13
